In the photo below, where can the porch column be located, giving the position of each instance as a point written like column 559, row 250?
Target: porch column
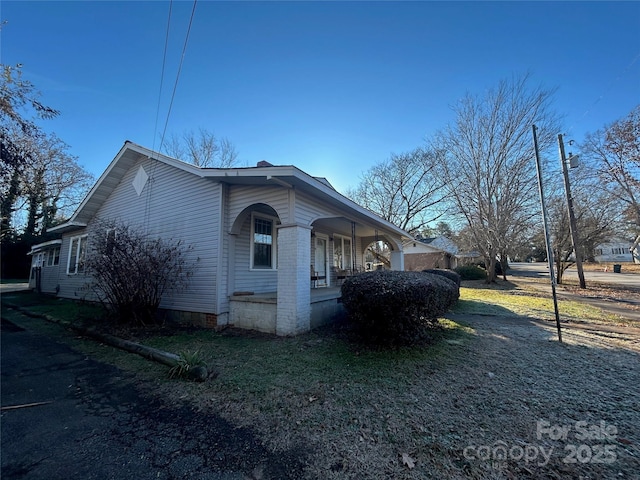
column 397, row 260
column 293, row 313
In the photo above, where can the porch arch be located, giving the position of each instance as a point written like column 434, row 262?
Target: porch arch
column 259, row 207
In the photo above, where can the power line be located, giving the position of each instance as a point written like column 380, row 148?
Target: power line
column 164, row 61
column 175, row 85
column 147, row 212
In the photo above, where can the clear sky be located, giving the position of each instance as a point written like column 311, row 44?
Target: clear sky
column 330, row 87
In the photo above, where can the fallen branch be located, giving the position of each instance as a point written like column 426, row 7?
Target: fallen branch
column 24, row 405
column 198, row 373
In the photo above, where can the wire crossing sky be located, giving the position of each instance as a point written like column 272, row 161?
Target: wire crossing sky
column 331, row 87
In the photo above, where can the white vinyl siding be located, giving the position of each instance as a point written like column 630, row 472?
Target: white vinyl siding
column 264, row 202
column 174, row 205
column 246, row 278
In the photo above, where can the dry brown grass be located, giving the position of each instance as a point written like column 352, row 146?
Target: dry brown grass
column 600, row 267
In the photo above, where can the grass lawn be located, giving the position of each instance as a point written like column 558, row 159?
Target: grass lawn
column 491, row 373
column 508, row 299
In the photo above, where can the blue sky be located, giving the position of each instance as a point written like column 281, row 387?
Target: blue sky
column 332, row 87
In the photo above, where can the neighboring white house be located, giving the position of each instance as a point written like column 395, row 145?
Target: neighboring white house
column 269, row 241
column 616, row 250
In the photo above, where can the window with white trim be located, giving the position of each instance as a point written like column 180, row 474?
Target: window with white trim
column 77, row 251
column 342, row 252
column 39, row 259
column 54, row 257
column 263, row 251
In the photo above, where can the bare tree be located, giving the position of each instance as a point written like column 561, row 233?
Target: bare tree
column 50, row 183
column 404, row 190
column 19, row 107
column 595, row 215
column 132, row 272
column 615, row 151
column 202, row 148
column 486, row 162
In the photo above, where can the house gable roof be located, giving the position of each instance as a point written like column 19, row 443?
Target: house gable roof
column 284, row 175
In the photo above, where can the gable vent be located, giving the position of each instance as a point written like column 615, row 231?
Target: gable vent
column 140, row 180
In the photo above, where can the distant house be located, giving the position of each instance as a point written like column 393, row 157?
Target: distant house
column 443, row 243
column 270, row 242
column 437, row 252
column 420, row 255
column 616, row 250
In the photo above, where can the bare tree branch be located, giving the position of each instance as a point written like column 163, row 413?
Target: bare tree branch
column 485, row 160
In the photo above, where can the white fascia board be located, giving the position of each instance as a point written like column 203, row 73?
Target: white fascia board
column 174, row 162
column 128, row 146
column 43, row 245
column 65, row 227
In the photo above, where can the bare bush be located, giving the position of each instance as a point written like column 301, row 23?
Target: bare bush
column 131, row 271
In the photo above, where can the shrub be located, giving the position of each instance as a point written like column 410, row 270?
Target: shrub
column 131, row 271
column 498, row 267
column 450, row 274
column 471, row 272
column 397, row 308
column 187, row 362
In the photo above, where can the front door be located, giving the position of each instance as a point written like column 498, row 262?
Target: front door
column 320, row 264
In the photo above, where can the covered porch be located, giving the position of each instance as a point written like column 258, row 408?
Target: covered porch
column 259, row 311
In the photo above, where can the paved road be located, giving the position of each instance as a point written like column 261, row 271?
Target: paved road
column 541, row 270
column 13, row 287
column 100, row 425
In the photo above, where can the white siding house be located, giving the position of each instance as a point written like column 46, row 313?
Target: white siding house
column 616, row 250
column 271, row 243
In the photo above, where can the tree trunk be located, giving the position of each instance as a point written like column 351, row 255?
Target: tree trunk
column 490, row 262
column 9, row 200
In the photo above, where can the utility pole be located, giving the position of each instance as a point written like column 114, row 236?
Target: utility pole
column 552, row 275
column 572, row 218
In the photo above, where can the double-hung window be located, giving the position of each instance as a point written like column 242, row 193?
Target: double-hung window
column 54, row 257
column 342, row 252
column 262, row 242
column 77, row 253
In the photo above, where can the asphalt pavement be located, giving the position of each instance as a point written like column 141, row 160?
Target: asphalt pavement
column 66, row 416
column 623, row 307
column 541, row 270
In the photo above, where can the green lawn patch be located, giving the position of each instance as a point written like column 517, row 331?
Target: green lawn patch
column 506, row 300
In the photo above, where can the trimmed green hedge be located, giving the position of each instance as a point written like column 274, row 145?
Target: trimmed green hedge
column 471, row 272
column 397, row 308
